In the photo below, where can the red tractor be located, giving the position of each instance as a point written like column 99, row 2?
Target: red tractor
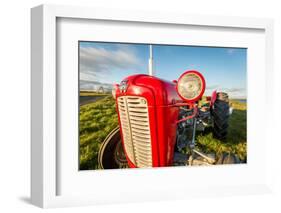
column 158, row 121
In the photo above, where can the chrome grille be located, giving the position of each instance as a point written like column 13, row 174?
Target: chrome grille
column 134, row 119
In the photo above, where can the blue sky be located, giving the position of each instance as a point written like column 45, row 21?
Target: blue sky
column 223, row 68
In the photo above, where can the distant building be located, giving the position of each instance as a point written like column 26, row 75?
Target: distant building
column 100, row 89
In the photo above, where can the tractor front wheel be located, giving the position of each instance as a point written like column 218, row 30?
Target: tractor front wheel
column 220, row 112
column 111, row 153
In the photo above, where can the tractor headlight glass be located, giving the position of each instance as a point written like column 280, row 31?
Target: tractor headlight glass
column 191, row 86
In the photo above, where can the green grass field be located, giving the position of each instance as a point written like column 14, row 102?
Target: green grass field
column 236, row 141
column 99, row 118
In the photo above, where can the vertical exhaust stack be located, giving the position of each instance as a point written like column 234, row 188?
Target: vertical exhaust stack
column 150, row 61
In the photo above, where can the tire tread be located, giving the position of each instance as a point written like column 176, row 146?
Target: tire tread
column 220, row 114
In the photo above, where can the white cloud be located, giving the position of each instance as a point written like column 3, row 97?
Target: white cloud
column 212, row 87
column 234, row 92
column 230, row 51
column 96, row 63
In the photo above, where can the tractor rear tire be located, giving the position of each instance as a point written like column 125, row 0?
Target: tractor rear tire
column 220, row 112
column 111, row 154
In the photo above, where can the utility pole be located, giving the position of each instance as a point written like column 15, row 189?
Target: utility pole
column 150, row 61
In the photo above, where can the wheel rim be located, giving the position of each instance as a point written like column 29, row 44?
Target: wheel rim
column 119, row 156
column 111, row 154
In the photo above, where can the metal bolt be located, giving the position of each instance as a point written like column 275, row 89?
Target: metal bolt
column 143, row 101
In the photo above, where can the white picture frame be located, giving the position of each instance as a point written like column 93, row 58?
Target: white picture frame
column 44, row 154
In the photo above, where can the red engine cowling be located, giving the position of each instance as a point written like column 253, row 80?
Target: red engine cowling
column 147, row 118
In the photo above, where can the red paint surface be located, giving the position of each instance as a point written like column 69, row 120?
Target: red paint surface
column 213, row 98
column 163, row 109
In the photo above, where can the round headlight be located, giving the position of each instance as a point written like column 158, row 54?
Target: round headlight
column 191, row 86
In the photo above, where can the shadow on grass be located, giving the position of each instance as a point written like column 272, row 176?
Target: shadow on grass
column 236, row 141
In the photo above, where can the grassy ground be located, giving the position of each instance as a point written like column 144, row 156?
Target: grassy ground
column 236, row 141
column 96, row 121
column 99, row 118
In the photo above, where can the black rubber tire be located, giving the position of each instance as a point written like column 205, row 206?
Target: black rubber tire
column 226, row 158
column 111, row 153
column 220, row 113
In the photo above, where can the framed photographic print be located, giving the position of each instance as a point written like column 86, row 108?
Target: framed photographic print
column 148, row 106
column 160, row 120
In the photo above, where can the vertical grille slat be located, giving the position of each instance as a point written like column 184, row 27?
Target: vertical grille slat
column 134, row 120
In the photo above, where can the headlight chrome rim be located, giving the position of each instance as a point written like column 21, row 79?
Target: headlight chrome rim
column 203, row 85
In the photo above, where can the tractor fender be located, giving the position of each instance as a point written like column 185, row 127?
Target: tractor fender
column 213, row 98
